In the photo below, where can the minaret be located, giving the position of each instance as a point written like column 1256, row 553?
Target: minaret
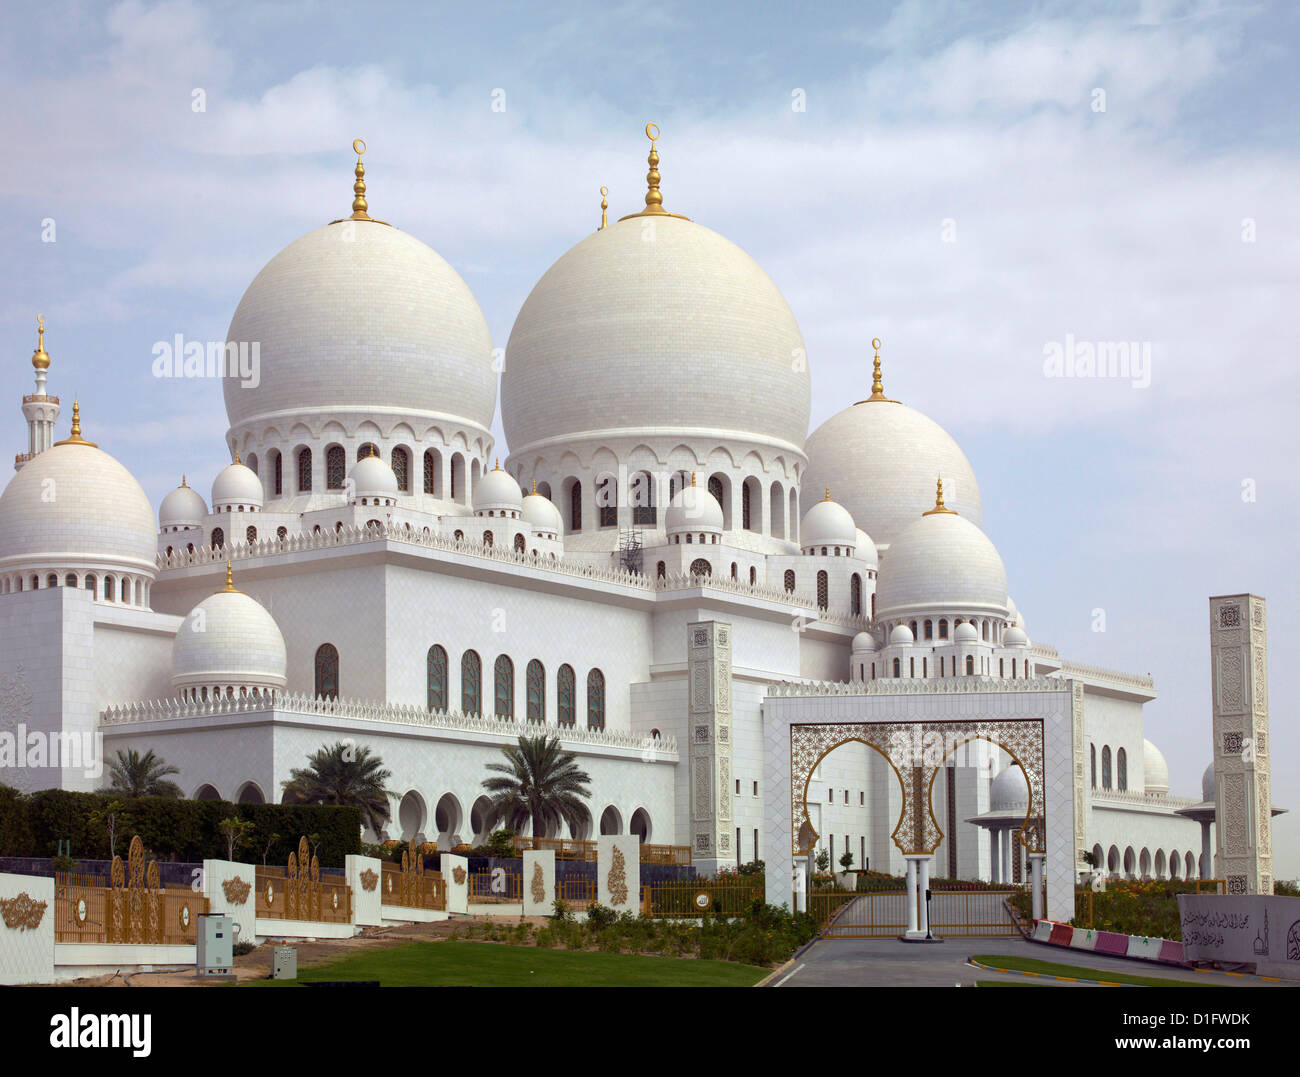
column 40, row 409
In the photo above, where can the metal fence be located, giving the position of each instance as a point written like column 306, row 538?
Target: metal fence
column 575, row 849
column 1085, row 897
column 696, row 897
column 413, row 889
column 577, row 894
column 883, row 914
column 87, row 911
column 279, row 897
column 495, row 887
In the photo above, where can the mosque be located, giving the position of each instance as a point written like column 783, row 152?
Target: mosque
column 370, row 568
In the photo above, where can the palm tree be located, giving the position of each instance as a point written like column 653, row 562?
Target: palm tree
column 136, row 775
column 538, row 783
column 344, row 774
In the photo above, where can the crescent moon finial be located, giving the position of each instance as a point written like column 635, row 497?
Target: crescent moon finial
column 652, row 127
column 358, row 146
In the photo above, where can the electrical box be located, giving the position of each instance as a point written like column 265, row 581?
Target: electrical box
column 214, row 945
column 284, row 963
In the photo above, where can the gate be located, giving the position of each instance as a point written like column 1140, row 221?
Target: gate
column 883, row 915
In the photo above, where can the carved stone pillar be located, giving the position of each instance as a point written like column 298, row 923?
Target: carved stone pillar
column 1242, row 802
column 709, row 663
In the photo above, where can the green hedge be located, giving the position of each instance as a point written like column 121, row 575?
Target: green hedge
column 171, row 828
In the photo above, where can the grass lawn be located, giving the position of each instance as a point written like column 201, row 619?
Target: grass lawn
column 1051, row 968
column 487, row 964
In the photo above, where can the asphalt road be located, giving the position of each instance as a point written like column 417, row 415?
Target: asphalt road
column 891, row 963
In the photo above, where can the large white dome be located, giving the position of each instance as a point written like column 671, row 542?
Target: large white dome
column 655, row 328
column 881, row 459
column 360, row 317
column 74, row 506
column 1009, row 790
column 228, row 639
column 941, row 562
column 828, row 523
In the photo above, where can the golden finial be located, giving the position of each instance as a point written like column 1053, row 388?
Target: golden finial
column 877, row 385
column 236, row 456
column 534, row 486
column 230, row 579
column 498, row 464
column 692, row 478
column 359, row 206
column 183, row 483
column 939, row 507
column 40, row 360
column 604, row 207
column 654, row 199
column 828, row 494
column 75, row 437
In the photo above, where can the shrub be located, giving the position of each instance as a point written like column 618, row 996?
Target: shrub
column 246, row 946
column 599, row 916
column 501, row 844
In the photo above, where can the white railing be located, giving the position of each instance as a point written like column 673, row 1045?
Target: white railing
column 349, row 535
column 1151, row 800
column 405, row 714
column 1098, row 673
column 916, row 686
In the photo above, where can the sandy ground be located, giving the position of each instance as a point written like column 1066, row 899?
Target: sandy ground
column 257, row 965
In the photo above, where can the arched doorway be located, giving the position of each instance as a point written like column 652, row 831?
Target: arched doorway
column 447, row 817
column 478, row 820
column 249, row 793
column 611, row 822
column 206, row 792
column 410, row 816
column 640, row 825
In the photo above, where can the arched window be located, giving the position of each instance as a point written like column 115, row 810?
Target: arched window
column 282, row 533
column 943, row 628
column 929, row 629
column 458, row 536
column 661, row 570
column 520, row 545
column 304, row 470
column 716, row 489
column 855, row 595
column 536, row 685
column 277, row 473
column 1105, row 766
column 1121, row 769
column 250, row 535
column 575, row 507
column 566, row 685
column 607, row 501
column 897, row 668
column 789, row 580
column 471, row 683
column 218, row 538
column 336, row 466
column 643, row 500
column 505, row 688
column 970, row 666
column 327, row 671
column 823, row 590
column 701, row 567
column 252, row 463
column 735, row 571
column 89, row 584
column 753, row 576
column 368, row 449
column 437, row 678
column 430, row 470
column 108, row 588
column 595, row 700
column 402, row 469
column 1092, row 757
column 487, row 538
column 745, row 499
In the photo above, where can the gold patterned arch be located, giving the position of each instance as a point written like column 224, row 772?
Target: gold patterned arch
column 915, row 752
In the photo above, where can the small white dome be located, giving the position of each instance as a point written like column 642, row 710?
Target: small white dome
column 372, row 476
column 901, row 634
column 183, row 507
column 542, row 513
column 498, row 492
column 1009, row 790
column 693, row 508
column 965, row 633
column 1014, row 637
column 941, row 561
column 100, row 516
column 1155, row 771
column 864, row 641
column 228, row 639
column 828, row 523
column 865, row 550
column 1207, row 783
column 236, row 485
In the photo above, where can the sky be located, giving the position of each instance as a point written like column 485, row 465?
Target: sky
column 982, row 186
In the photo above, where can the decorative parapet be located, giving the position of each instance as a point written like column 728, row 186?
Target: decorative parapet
column 404, row 714
column 1149, row 800
column 1098, row 673
column 351, row 535
column 932, row 686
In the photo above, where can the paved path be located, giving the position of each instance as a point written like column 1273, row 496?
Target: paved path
column 891, row 963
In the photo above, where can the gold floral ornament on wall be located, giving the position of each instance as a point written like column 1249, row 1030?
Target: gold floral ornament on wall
column 538, row 884
column 458, row 873
column 23, row 913
column 369, row 879
column 617, row 879
column 236, row 890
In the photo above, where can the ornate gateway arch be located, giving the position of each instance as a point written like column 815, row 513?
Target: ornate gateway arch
column 915, row 726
